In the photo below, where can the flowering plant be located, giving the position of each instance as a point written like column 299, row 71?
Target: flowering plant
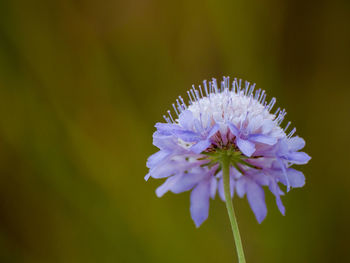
column 226, row 140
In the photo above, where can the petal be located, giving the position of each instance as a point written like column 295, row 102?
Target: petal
column 222, row 190
column 256, row 199
column 273, row 186
column 213, row 130
column 267, row 126
column 187, row 136
column 186, row 182
column 186, row 119
column 165, row 187
column 156, row 158
column 296, row 143
column 296, row 178
column 147, row 176
column 233, row 129
column 246, row 147
column 262, row 139
column 166, row 128
column 241, row 186
column 200, row 146
column 298, row 157
column 255, row 123
column 200, row 203
column 213, row 186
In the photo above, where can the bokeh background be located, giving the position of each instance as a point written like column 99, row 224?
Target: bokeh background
column 82, row 84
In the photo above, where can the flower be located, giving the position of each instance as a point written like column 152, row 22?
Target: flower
column 230, row 118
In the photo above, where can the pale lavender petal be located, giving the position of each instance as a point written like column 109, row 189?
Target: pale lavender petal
column 186, row 119
column 187, row 136
column 165, row 187
column 213, row 187
column 222, row 190
column 263, row 139
column 273, row 186
column 296, row 143
column 200, row 203
column 156, row 158
column 147, row 176
column 241, row 186
column 246, row 147
column 187, row 182
column 256, row 199
column 213, row 130
column 298, row 157
column 233, row 129
column 296, row 178
column 267, row 126
column 200, row 146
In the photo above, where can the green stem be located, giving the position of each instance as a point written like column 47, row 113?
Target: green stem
column 225, row 164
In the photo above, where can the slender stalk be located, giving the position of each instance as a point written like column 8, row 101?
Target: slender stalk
column 225, row 164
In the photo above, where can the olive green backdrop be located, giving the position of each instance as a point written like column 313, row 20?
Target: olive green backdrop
column 82, row 84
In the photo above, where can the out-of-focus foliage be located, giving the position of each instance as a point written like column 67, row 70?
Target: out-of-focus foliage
column 82, row 84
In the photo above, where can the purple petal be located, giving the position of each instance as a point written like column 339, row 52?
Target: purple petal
column 186, row 182
column 200, row 203
column 256, row 199
column 187, row 136
column 233, row 129
column 273, row 186
column 241, row 186
column 296, row 143
column 213, row 130
column 147, row 176
column 165, row 187
column 296, row 178
column 222, row 190
column 267, row 126
column 246, row 147
column 213, row 186
column 298, row 157
column 186, row 119
column 262, row 139
column 200, row 146
column 166, row 128
column 284, row 172
column 156, row 158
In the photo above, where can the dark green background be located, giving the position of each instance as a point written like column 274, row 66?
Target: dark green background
column 83, row 82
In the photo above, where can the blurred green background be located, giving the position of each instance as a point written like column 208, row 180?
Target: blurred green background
column 82, row 84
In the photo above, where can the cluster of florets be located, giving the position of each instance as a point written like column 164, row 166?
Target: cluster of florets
column 234, row 119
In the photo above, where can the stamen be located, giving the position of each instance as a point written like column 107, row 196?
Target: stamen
column 215, row 85
column 222, row 85
column 171, row 117
column 194, row 96
column 287, row 126
column 291, row 133
column 175, row 110
column 227, row 83
column 271, row 104
column 246, row 87
column 189, row 95
column 166, row 119
column 200, row 89
column 183, row 103
column 252, row 87
column 261, row 96
column 205, row 87
column 179, row 106
column 257, row 94
column 277, row 111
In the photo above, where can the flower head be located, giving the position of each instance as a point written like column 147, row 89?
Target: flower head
column 235, row 120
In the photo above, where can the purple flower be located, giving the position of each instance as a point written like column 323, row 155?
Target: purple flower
column 229, row 118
